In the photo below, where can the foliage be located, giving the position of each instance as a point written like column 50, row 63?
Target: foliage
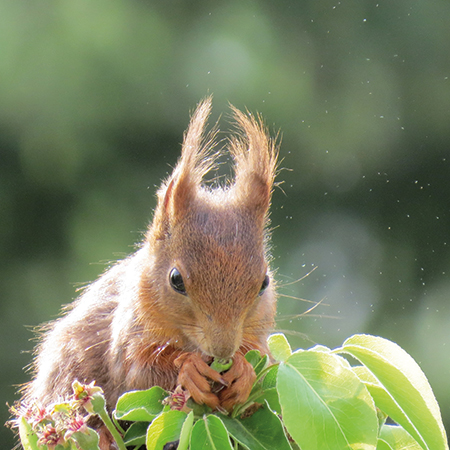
column 310, row 399
column 95, row 98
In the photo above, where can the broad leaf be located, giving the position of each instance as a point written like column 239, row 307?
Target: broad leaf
column 270, row 379
column 383, row 445
column 271, row 396
column 324, row 404
column 383, row 400
column 210, row 433
column 253, row 357
column 402, row 379
column 185, row 434
column 28, row 437
column 262, row 364
column 136, row 434
column 261, row 431
column 398, row 438
column 165, row 428
column 279, row 346
column 87, row 441
column 140, row 406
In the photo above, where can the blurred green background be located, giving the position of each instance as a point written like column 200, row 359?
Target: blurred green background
column 94, row 99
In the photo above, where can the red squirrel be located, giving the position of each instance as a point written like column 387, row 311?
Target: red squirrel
column 199, row 286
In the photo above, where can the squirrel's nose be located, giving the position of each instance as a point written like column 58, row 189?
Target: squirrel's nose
column 223, row 352
column 225, row 345
column 222, row 340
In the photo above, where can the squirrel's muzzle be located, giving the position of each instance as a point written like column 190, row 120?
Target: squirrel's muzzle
column 223, row 351
column 223, row 342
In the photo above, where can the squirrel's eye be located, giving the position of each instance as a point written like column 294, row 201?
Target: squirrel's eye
column 176, row 281
column 264, row 285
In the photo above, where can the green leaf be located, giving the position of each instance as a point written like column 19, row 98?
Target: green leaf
column 279, row 346
column 185, row 434
column 270, row 379
column 140, row 406
column 261, row 431
column 398, row 438
column 87, row 441
column 28, row 437
column 271, row 396
column 383, row 445
column 410, row 400
column 136, row 434
column 383, row 400
column 324, row 404
column 198, row 410
column 321, row 348
column 262, row 364
column 253, row 357
column 165, row 428
column 209, row 433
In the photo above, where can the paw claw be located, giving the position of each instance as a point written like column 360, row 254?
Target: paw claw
column 193, row 376
column 240, row 377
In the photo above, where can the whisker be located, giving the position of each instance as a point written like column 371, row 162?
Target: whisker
column 312, row 308
column 297, row 334
column 284, row 317
column 298, row 280
column 301, row 299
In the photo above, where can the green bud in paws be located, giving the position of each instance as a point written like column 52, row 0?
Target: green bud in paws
column 221, row 365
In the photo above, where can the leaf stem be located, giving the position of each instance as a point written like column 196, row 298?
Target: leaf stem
column 264, row 371
column 112, row 429
column 117, row 424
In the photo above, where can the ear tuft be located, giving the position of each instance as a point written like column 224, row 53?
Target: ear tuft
column 196, row 155
column 255, row 155
column 177, row 194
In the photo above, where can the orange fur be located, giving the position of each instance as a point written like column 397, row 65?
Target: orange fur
column 131, row 329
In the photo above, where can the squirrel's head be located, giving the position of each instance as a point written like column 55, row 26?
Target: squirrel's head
column 210, row 244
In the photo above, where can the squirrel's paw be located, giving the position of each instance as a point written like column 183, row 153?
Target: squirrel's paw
column 240, row 378
column 193, row 375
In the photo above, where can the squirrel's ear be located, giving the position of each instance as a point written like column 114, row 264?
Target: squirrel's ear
column 177, row 193
column 255, row 156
